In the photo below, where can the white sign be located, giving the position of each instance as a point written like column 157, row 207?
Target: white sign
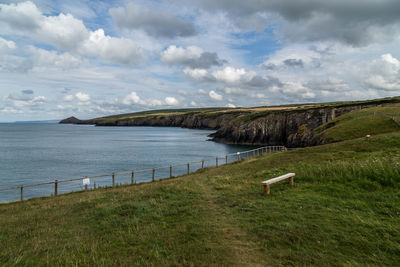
column 86, row 181
column 238, row 153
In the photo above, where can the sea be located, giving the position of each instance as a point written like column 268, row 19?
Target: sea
column 33, row 153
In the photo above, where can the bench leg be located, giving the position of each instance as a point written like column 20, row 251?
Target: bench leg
column 266, row 189
column 291, row 180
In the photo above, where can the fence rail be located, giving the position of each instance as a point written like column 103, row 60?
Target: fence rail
column 218, row 160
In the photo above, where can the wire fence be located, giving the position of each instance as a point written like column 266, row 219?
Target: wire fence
column 55, row 188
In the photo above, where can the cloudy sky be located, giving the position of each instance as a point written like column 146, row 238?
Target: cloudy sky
column 91, row 58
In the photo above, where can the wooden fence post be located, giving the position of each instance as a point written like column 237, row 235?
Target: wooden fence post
column 188, row 168
column 113, row 179
column 22, row 193
column 56, row 188
column 170, row 171
column 216, row 161
column 202, row 164
column 133, row 177
column 247, row 154
column 226, row 159
column 154, row 174
column 238, row 156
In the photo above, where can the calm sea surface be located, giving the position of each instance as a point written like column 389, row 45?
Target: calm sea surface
column 36, row 153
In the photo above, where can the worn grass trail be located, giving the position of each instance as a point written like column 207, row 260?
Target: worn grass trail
column 344, row 209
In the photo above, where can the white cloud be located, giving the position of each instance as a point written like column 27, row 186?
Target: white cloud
column 213, row 95
column 383, row 74
column 229, row 75
column 68, row 33
column 51, row 59
column 155, row 102
column 6, row 46
column 196, row 74
column 68, row 98
column 82, row 97
column 298, row 90
column 193, row 103
column 230, row 105
column 132, row 98
column 113, row 49
column 201, row 92
column 171, row 101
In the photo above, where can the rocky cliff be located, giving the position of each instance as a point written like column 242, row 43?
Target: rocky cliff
column 293, row 128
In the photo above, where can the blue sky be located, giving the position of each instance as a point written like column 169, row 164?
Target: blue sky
column 95, row 58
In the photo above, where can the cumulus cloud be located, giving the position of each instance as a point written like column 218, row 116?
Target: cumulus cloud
column 171, row 101
column 52, row 59
column 193, row 57
column 132, row 98
column 82, row 97
column 6, row 46
column 201, row 92
column 383, row 74
column 154, row 23
column 198, row 74
column 243, row 78
column 66, row 32
column 215, row 96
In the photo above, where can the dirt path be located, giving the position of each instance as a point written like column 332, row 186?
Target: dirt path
column 244, row 252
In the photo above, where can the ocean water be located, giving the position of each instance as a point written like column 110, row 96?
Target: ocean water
column 37, row 153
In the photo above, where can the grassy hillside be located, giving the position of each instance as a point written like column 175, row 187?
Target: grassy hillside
column 244, row 114
column 344, row 209
column 359, row 123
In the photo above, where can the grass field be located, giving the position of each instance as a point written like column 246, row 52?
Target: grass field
column 360, row 123
column 344, row 209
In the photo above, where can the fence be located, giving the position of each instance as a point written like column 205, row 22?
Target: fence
column 168, row 171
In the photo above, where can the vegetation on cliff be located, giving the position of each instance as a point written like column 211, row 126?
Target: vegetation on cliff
column 290, row 125
column 359, row 123
column 344, row 209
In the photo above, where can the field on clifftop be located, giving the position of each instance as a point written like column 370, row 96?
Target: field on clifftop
column 344, row 209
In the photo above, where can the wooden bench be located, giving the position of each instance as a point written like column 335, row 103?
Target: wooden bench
column 267, row 183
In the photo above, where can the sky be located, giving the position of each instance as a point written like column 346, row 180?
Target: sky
column 94, row 58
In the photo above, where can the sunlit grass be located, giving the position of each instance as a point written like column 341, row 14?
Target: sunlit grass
column 344, row 209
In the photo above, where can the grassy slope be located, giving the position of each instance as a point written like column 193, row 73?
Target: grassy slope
column 343, row 210
column 359, row 123
column 244, row 114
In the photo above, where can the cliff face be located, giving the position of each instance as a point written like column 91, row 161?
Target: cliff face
column 292, row 128
column 193, row 121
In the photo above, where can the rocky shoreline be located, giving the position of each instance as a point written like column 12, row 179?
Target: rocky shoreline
column 292, row 128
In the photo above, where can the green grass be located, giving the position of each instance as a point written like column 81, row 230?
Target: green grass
column 344, row 209
column 359, row 123
column 242, row 114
